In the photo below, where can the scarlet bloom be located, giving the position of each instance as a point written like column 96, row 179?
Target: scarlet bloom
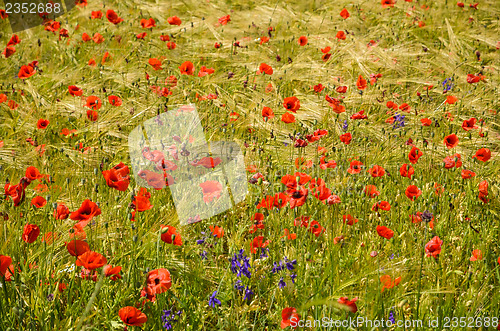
column 26, row 72
column 406, row 170
column 8, row 51
column 207, row 162
column 258, row 242
column 344, row 13
column 466, row 174
column 355, row 167
column 113, row 17
column 158, row 281
column 433, row 247
column 217, row 231
column 30, row 233
column 114, row 100
column 75, row 91
column 288, row 118
column 377, row 171
column 341, row 35
column 359, row 115
column 371, row 191
column 265, row 68
column 476, row 255
column 289, row 317
column 187, row 68
column 155, row 63
column 5, row 265
column 483, row 154
column 341, row 89
column 170, row 236
column 61, row 212
column 426, row 122
column 132, row 316
column 224, row 19
column 450, row 99
column 292, row 104
column 92, row 115
column 384, row 205
column 38, row 202
column 267, row 113
column 148, row 23
column 205, row 71
column 212, row 189
column 91, row 260
column 14, row 40
column 96, row 14
column 361, row 83
column 77, row 247
column 413, row 192
column 414, row 155
column 174, row 20
column 171, row 45
column 385, row 232
column 112, row 273
column 98, row 38
column 350, row 220
column 388, row 3
column 346, row 138
column 349, row 304
column 451, row 141
column 42, row 123
column 388, row 282
column 302, row 40
column 32, row 173
column 93, row 102
column 86, row 212
column 469, row 124
column 116, row 178
column 460, row 4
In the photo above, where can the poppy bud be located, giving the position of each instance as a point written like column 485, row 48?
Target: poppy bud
column 259, row 181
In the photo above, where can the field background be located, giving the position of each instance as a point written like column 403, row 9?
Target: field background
column 453, row 42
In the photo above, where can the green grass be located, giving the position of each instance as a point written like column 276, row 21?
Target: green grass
column 409, row 58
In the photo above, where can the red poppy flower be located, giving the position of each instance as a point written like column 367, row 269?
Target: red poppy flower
column 174, row 20
column 460, row 4
column 349, row 219
column 42, row 124
column 361, row 83
column 355, row 167
column 132, row 316
column 26, row 72
column 388, row 282
column 466, row 174
column 384, row 205
column 212, row 189
column 86, row 212
column 302, row 40
column 115, row 179
column 341, row 35
column 406, row 170
column 413, row 192
column 112, row 273
column 258, row 242
column 187, row 68
column 349, row 304
column 289, row 317
column 265, row 68
column 327, row 164
column 450, row 99
column 371, row 191
column 14, row 40
column 114, row 100
column 113, row 17
column 32, row 173
column 38, row 202
column 469, row 124
column 75, row 91
column 224, row 20
column 77, row 247
column 216, row 231
column 171, row 45
column 344, row 13
column 267, row 113
column 61, row 212
column 391, row 105
column 96, row 14
column 483, row 154
column 91, row 260
column 433, row 247
column 414, row 155
column 288, row 118
column 292, row 104
column 5, row 263
column 388, row 3
column 148, row 23
column 297, row 197
column 86, row 37
column 377, row 171
column 8, row 51
column 341, row 89
column 385, row 232
column 476, row 255
column 30, row 233
column 93, row 102
column 474, row 79
column 155, row 63
column 170, row 236
column 207, row 162
column 451, row 141
column 426, row 122
column 346, row 138
column 483, row 187
column 205, row 71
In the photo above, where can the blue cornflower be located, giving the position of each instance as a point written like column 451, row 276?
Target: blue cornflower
column 391, row 257
column 281, row 283
column 293, row 276
column 399, row 121
column 248, row 294
column 345, row 126
column 204, row 255
column 290, row 264
column 448, row 84
column 238, row 286
column 391, row 317
column 213, row 300
column 240, row 264
column 168, row 318
column 263, row 252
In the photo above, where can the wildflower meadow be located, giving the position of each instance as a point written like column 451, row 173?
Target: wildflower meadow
column 250, row 165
